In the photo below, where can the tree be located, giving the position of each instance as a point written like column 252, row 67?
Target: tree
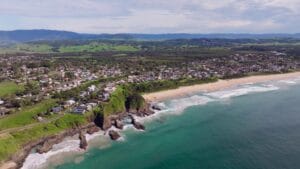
column 32, row 87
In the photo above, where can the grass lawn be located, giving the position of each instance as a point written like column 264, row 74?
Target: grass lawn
column 26, row 115
column 8, row 88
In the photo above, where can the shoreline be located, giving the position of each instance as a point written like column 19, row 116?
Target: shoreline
column 219, row 85
column 186, row 90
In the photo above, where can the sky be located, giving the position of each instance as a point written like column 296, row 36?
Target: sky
column 152, row 16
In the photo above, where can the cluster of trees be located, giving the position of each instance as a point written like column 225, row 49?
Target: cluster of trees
column 153, row 86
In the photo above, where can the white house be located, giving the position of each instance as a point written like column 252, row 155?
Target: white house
column 70, row 102
column 92, row 88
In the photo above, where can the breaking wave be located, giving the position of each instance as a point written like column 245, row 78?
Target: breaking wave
column 241, row 91
column 288, row 81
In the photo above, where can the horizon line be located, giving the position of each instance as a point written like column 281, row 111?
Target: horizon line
column 211, row 33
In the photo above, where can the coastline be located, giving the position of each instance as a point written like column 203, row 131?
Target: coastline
column 186, row 90
column 219, row 85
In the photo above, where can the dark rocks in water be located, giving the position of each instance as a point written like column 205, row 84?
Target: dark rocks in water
column 93, row 130
column 155, row 107
column 144, row 113
column 114, row 135
column 149, row 112
column 139, row 126
column 118, row 124
column 83, row 142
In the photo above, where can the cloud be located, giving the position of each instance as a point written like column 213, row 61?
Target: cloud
column 155, row 16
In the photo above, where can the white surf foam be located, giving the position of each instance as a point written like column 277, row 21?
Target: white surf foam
column 241, row 91
column 70, row 144
column 288, row 82
column 179, row 105
column 36, row 160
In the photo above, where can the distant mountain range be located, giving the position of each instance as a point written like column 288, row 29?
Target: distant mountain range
column 50, row 35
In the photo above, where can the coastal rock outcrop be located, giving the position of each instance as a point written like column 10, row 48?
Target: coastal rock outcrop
column 118, row 124
column 47, row 146
column 155, row 107
column 48, row 143
column 93, row 130
column 145, row 111
column 104, row 122
column 83, row 142
column 136, row 124
column 114, row 135
column 139, row 126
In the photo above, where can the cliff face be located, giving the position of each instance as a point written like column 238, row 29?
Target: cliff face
column 135, row 103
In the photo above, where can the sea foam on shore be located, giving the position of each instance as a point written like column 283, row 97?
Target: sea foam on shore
column 69, row 144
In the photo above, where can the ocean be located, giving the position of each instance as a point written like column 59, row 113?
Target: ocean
column 252, row 126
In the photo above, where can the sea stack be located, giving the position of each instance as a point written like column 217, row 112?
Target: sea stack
column 83, row 142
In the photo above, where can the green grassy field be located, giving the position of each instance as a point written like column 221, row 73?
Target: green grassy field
column 26, row 115
column 39, row 48
column 8, row 88
column 10, row 144
column 97, row 47
column 27, row 48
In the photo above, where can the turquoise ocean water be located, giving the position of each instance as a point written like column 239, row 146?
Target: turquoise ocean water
column 254, row 126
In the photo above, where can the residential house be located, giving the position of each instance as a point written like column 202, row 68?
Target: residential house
column 57, row 109
column 80, row 109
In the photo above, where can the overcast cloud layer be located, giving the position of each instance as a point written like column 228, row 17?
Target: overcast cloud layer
column 153, row 16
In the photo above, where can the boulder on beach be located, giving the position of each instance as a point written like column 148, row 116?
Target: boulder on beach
column 114, row 135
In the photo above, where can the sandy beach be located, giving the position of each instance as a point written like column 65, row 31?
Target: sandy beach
column 219, row 85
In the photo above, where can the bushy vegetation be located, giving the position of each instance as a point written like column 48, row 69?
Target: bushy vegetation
column 116, row 103
column 154, row 86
